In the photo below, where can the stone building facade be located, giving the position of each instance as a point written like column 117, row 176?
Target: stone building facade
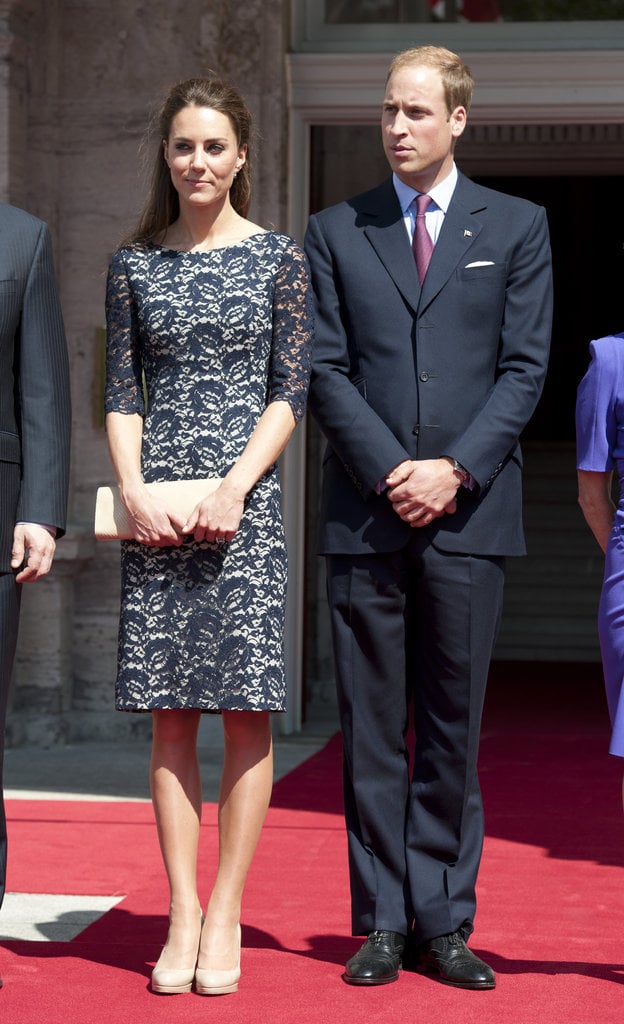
column 78, row 84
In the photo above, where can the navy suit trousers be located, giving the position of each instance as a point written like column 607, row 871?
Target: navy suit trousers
column 413, row 636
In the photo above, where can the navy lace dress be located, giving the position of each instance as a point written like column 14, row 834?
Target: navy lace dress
column 217, row 335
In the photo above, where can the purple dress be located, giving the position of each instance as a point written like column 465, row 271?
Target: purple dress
column 600, row 449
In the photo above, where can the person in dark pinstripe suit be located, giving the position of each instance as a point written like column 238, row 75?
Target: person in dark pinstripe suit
column 35, row 422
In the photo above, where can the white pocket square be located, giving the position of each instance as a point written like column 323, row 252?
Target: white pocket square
column 479, row 263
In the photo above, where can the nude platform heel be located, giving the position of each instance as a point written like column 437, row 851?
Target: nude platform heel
column 174, row 980
column 212, row 982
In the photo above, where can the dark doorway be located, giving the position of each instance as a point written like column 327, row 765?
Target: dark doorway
column 586, row 218
column 551, row 595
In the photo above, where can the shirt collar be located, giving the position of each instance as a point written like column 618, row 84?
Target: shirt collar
column 441, row 194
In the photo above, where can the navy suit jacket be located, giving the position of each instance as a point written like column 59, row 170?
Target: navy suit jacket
column 453, row 369
column 34, row 382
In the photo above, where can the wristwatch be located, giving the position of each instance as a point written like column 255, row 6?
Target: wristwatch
column 458, row 468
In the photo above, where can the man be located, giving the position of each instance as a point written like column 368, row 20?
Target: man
column 34, row 431
column 428, row 363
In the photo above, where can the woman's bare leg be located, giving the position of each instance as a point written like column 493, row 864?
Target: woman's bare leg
column 176, row 794
column 246, row 786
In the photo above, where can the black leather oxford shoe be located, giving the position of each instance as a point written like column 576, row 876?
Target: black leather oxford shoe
column 378, row 961
column 448, row 959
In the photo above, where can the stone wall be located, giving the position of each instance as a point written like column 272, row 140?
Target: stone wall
column 78, row 83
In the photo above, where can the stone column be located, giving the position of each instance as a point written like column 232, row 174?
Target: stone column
column 43, row 674
column 42, row 693
column 78, row 83
column 14, row 51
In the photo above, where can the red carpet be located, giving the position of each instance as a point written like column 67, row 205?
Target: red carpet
column 551, row 889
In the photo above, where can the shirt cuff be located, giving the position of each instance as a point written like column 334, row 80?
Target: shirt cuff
column 46, row 526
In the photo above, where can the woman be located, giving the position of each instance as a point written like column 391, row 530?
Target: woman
column 214, row 313
column 600, row 450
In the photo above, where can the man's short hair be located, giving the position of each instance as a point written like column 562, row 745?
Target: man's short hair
column 456, row 78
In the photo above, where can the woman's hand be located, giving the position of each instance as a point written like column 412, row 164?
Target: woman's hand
column 217, row 517
column 151, row 523
column 594, row 495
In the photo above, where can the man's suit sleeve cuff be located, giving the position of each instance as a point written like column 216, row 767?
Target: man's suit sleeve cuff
column 52, row 530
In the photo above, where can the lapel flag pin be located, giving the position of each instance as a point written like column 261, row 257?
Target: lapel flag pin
column 467, row 233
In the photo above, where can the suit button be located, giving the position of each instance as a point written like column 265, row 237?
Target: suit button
column 424, row 376
column 416, row 429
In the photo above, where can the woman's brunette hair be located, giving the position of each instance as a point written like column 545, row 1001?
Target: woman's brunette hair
column 162, row 206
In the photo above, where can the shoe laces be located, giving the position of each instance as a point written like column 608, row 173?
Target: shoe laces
column 382, row 935
column 453, row 939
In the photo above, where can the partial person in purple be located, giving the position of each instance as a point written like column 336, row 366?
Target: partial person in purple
column 600, row 453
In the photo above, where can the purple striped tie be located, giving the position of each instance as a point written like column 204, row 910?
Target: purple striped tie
column 422, row 244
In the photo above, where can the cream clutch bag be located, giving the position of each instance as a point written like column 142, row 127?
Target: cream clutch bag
column 180, row 496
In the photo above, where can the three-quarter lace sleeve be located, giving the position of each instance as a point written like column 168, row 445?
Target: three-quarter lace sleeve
column 124, row 388
column 293, row 323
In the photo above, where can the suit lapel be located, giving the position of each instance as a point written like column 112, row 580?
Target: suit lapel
column 459, row 231
column 386, row 233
